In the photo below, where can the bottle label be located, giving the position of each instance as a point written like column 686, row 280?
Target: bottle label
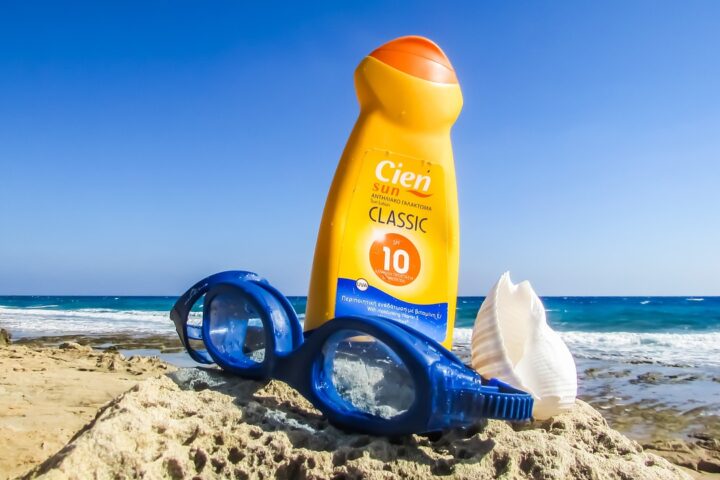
column 395, row 263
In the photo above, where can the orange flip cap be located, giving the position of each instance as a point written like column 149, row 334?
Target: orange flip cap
column 417, row 56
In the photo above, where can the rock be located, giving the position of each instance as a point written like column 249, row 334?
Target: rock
column 682, row 378
column 244, row 429
column 651, row 378
column 640, row 361
column 656, row 378
column 74, row 346
column 597, row 373
column 710, row 466
column 702, row 455
column 706, row 441
column 4, row 337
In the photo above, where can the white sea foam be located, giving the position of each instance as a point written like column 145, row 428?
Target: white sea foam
column 701, row 349
column 694, row 299
column 644, row 302
column 697, row 349
column 91, row 321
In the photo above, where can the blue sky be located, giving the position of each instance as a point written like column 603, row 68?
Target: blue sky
column 144, row 145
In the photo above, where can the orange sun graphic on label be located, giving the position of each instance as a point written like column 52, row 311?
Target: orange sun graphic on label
column 395, row 259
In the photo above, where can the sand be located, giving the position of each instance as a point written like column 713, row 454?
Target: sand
column 74, row 412
column 48, row 394
column 221, row 427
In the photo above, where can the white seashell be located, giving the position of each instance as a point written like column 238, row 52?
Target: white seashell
column 512, row 341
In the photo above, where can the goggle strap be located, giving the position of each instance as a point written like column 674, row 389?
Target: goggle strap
column 496, row 399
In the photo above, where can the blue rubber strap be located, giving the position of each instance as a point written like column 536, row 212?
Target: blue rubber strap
column 469, row 395
column 463, row 397
column 496, row 399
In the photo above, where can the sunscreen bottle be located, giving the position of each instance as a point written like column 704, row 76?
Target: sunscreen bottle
column 388, row 240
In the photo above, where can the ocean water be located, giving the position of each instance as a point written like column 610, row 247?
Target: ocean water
column 669, row 330
column 651, row 364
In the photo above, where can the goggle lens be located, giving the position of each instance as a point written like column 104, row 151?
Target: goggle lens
column 194, row 328
column 236, row 329
column 367, row 375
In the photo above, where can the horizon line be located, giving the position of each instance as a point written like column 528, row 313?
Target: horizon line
column 288, row 295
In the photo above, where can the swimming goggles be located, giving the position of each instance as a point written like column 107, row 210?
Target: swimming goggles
column 366, row 374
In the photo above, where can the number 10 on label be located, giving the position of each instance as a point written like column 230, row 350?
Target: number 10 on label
column 395, row 259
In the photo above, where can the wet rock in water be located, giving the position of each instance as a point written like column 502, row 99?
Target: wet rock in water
column 245, row 429
column 4, row 337
column 656, row 378
column 640, row 361
column 74, row 346
column 707, row 441
column 597, row 373
column 651, row 378
column 682, row 378
column 111, row 342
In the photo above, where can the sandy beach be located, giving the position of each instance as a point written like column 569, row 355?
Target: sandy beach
column 48, row 394
column 70, row 412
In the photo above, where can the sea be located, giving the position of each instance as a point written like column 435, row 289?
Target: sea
column 670, row 330
column 629, row 351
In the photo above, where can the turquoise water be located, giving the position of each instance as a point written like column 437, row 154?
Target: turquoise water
column 623, row 338
column 665, row 329
column 592, row 314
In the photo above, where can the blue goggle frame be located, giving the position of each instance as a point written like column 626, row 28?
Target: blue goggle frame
column 448, row 393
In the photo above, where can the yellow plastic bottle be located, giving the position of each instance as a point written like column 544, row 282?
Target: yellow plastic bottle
column 388, row 241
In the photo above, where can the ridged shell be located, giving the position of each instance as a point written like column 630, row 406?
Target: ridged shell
column 512, row 341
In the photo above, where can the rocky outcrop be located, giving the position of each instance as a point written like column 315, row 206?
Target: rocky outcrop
column 213, row 426
column 702, row 454
column 4, row 337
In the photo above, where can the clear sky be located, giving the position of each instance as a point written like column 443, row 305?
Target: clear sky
column 144, row 145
